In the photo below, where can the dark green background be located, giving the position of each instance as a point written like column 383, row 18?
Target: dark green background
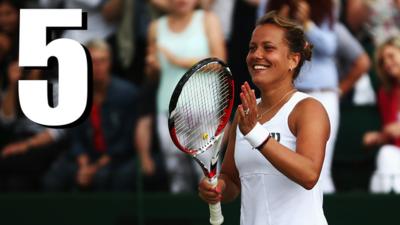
column 166, row 209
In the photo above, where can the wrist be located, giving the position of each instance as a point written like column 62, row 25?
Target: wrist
column 257, row 136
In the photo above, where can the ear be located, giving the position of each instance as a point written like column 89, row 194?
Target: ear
column 294, row 59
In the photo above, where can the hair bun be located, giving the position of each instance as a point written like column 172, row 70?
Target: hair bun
column 307, row 51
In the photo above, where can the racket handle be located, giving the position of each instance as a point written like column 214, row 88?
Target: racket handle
column 216, row 217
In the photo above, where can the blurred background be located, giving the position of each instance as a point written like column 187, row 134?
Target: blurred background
column 118, row 167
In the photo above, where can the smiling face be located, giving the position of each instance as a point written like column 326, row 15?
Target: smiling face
column 390, row 57
column 269, row 58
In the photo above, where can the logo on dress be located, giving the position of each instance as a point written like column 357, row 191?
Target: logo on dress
column 276, row 136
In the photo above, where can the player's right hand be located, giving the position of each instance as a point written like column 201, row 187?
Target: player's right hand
column 210, row 194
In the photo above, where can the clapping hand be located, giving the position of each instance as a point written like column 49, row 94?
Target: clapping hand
column 247, row 110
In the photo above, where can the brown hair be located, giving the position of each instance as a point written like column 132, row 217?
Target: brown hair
column 294, row 36
column 386, row 80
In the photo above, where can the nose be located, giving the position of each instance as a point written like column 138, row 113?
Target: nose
column 257, row 54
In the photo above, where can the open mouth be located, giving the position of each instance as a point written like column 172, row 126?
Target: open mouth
column 260, row 67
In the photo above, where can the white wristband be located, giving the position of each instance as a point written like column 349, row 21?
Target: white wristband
column 257, row 135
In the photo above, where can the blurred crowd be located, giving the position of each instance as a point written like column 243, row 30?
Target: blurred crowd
column 141, row 48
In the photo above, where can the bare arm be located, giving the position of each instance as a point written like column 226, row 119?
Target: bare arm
column 309, row 122
column 142, row 141
column 9, row 106
column 41, row 139
column 389, row 132
column 229, row 173
column 392, row 130
column 152, row 66
column 311, row 127
column 360, row 66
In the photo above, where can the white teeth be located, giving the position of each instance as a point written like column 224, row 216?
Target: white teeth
column 260, row 67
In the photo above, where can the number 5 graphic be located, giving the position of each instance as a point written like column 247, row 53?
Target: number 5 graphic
column 73, row 64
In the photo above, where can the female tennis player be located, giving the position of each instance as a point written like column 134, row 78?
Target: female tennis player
column 275, row 154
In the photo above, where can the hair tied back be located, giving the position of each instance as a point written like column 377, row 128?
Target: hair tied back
column 307, row 51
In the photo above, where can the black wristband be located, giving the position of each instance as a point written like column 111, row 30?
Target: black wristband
column 259, row 148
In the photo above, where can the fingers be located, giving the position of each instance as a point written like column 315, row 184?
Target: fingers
column 248, row 97
column 209, row 194
column 241, row 112
column 252, row 95
column 248, row 109
column 245, row 104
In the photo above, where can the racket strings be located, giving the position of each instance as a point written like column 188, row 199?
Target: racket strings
column 200, row 108
column 192, row 137
column 203, row 93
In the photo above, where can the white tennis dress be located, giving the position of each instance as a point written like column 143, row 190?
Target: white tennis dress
column 267, row 196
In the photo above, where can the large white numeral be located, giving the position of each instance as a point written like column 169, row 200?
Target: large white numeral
column 72, row 66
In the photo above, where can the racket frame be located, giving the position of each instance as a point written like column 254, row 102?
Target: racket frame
column 223, row 121
column 214, row 144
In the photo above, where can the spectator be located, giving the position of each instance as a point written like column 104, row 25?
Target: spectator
column 9, row 29
column 176, row 41
column 99, row 26
column 131, row 36
column 386, row 177
column 320, row 78
column 27, row 148
column 101, row 157
column 352, row 62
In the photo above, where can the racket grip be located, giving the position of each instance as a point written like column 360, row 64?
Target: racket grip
column 216, row 217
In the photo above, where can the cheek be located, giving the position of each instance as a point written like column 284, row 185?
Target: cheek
column 248, row 59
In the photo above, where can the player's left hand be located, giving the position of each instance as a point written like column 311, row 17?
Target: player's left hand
column 247, row 110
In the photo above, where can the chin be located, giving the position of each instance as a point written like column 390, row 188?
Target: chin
column 257, row 81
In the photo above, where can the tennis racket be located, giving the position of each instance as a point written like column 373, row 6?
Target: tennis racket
column 200, row 107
